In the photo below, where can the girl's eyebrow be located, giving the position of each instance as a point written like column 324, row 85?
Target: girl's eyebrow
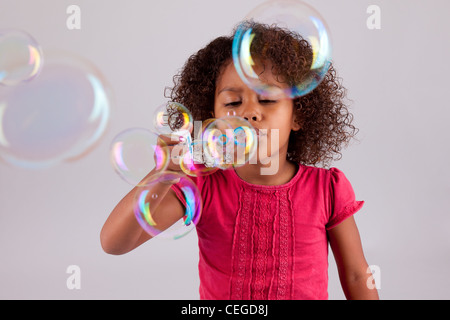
column 232, row 89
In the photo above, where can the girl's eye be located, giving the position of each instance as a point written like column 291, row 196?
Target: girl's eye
column 233, row 104
column 267, row 101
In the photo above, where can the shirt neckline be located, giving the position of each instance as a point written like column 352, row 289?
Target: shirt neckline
column 272, row 187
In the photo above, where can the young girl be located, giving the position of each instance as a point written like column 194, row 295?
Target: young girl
column 264, row 236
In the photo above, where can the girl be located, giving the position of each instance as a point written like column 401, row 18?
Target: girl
column 265, row 236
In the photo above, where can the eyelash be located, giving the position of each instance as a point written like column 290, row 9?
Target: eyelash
column 233, row 104
column 236, row 103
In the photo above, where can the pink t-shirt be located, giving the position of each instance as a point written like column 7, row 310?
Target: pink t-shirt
column 269, row 242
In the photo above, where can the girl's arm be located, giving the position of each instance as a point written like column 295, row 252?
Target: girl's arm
column 122, row 233
column 351, row 263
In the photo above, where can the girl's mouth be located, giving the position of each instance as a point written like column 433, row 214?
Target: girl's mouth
column 261, row 133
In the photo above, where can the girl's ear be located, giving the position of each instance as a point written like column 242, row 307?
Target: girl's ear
column 296, row 126
column 297, row 119
column 296, row 122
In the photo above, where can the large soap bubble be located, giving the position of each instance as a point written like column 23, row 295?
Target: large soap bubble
column 59, row 116
column 164, row 223
column 137, row 151
column 304, row 44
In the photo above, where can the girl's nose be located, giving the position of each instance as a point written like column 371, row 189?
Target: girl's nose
column 254, row 118
column 251, row 113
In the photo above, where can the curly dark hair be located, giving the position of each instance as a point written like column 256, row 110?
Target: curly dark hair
column 326, row 123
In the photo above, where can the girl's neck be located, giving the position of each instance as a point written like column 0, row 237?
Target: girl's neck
column 260, row 174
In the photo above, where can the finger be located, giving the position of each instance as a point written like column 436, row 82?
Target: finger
column 171, row 139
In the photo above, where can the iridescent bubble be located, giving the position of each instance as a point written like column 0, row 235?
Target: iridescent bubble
column 194, row 163
column 137, row 151
column 244, row 138
column 231, row 113
column 21, row 57
column 217, row 138
column 229, row 141
column 163, row 223
column 172, row 117
column 254, row 48
column 59, row 116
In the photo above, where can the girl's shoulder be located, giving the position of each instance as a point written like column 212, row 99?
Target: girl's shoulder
column 331, row 180
column 326, row 173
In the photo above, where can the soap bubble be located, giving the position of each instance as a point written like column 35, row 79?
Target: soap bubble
column 231, row 113
column 59, row 116
column 229, row 141
column 255, row 49
column 137, row 151
column 217, row 143
column 156, row 222
column 172, row 117
column 194, row 163
column 244, row 139
column 21, row 57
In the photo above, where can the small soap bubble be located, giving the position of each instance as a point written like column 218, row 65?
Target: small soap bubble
column 231, row 113
column 172, row 117
column 229, row 142
column 195, row 163
column 21, row 57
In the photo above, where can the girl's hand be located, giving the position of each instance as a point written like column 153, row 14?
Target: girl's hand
column 176, row 146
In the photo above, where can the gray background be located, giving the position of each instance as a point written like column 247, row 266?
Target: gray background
column 397, row 78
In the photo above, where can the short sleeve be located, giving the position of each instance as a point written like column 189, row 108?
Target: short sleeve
column 343, row 203
column 198, row 181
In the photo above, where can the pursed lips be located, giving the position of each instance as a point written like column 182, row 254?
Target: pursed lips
column 261, row 133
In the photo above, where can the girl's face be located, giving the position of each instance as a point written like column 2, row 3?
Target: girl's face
column 272, row 113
